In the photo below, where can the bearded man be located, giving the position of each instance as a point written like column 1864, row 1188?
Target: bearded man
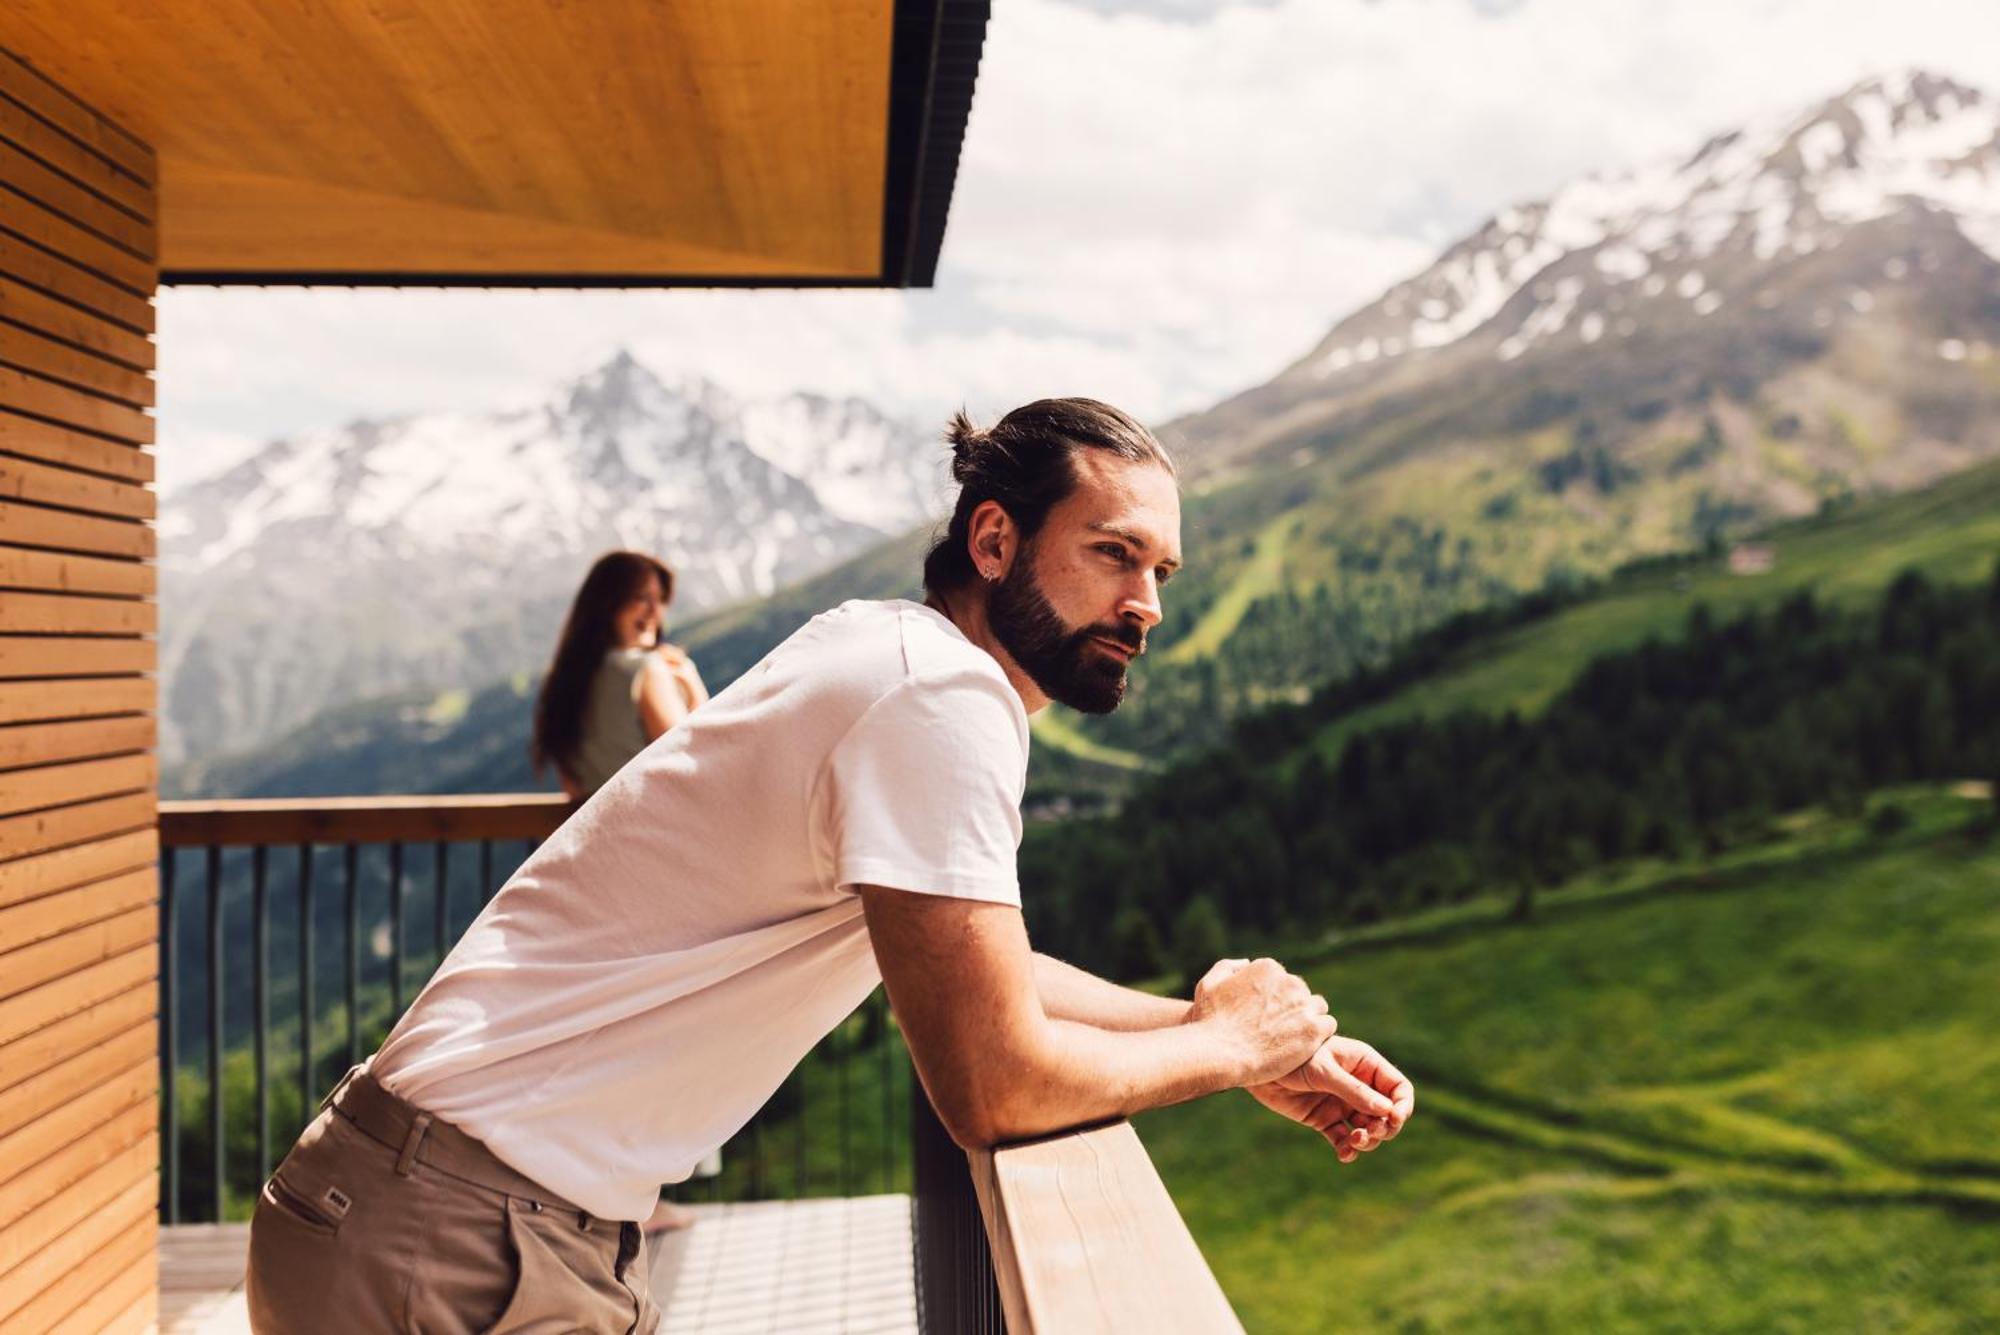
column 846, row 813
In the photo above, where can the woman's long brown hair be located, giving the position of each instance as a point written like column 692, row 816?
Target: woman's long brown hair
column 586, row 638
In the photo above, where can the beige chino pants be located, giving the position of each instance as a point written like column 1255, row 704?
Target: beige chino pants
column 383, row 1218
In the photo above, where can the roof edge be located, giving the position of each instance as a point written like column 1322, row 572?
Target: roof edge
column 932, row 70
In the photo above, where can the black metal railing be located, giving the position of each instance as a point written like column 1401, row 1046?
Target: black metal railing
column 264, row 903
column 956, row 1287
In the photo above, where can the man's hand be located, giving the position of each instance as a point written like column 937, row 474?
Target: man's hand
column 1271, row 1016
column 1348, row 1092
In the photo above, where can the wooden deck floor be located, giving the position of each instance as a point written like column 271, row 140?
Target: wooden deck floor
column 839, row 1266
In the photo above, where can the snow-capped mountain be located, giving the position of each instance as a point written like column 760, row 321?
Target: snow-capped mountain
column 1874, row 211
column 442, row 549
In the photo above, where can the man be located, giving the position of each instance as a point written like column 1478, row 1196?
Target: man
column 847, row 812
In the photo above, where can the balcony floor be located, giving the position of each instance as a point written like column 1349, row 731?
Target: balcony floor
column 840, row 1265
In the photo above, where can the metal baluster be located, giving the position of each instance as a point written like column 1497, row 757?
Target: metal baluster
column 845, row 1035
column 757, row 1156
column 352, row 857
column 886, row 1061
column 217, row 1147
column 486, row 886
column 170, row 1115
column 260, row 931
column 441, row 909
column 307, row 1101
column 801, row 1180
column 395, row 933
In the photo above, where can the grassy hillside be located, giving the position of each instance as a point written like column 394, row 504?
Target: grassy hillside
column 1950, row 531
column 1759, row 1094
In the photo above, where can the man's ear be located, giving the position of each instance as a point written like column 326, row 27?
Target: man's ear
column 992, row 540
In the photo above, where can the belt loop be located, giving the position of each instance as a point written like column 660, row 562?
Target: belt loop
column 410, row 1143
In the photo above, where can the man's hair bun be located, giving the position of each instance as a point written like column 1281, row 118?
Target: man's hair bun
column 967, row 443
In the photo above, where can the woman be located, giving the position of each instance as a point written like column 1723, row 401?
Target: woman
column 613, row 685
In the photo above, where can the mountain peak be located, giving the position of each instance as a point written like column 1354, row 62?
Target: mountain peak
column 1782, row 187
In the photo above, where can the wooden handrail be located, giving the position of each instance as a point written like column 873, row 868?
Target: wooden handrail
column 1085, row 1238
column 362, row 820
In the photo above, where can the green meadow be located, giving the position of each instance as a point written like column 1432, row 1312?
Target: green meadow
column 1755, row 1093
column 1949, row 531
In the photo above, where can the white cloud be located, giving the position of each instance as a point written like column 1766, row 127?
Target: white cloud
column 1154, row 208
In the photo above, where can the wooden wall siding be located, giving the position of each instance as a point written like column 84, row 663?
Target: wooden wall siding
column 79, row 913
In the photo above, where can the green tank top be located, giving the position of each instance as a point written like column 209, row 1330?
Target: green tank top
column 611, row 733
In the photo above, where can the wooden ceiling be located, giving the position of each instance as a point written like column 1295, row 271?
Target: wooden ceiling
column 530, row 141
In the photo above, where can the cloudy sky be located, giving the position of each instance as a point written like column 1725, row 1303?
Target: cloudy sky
column 1159, row 202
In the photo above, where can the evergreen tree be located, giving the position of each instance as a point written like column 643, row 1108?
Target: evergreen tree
column 1200, row 939
column 1135, row 945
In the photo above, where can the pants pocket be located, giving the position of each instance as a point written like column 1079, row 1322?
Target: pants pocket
column 563, row 1276
column 285, row 1203
column 291, row 1274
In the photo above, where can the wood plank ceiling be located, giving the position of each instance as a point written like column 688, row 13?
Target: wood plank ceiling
column 507, row 140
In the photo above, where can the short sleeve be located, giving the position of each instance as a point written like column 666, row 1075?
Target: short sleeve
column 924, row 791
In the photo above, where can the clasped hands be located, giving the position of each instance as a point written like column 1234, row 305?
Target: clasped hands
column 1346, row 1091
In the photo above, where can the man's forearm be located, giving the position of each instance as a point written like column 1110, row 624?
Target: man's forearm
column 1070, row 993
column 1078, row 1073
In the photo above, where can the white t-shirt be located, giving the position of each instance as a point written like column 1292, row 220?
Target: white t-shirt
column 653, row 972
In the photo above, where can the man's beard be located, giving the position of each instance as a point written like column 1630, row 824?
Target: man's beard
column 1058, row 659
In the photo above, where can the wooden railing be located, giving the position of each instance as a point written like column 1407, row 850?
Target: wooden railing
column 1072, row 1232
column 1085, row 1239
column 247, row 822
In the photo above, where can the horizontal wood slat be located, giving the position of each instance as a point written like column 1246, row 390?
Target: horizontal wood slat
column 38, row 526
column 81, row 247
column 66, row 1254
column 91, row 697
column 41, row 830
column 58, row 194
column 74, row 993
column 72, row 614
column 35, row 1097
column 72, row 282
column 40, row 1049
column 67, row 1204
column 91, row 1107
column 94, row 656
column 80, row 780
column 28, row 568
column 31, row 134
column 118, row 1289
column 53, row 444
column 46, row 484
column 79, row 370
column 79, row 948
column 37, row 1184
column 48, row 743
column 29, row 306
column 22, row 879
column 47, row 918
column 92, row 132
column 1085, row 1238
column 36, row 394
column 143, row 1316
column 362, row 820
